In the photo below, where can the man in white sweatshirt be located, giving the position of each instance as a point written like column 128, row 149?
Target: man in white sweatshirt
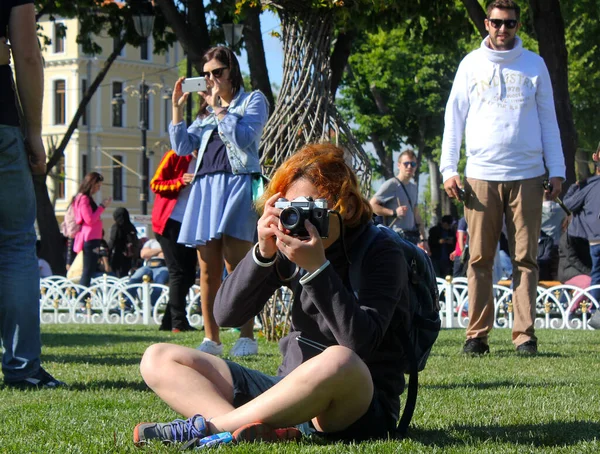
column 502, row 101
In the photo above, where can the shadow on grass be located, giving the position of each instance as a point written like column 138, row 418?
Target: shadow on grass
column 499, row 384
column 93, row 386
column 109, row 385
column 93, row 339
column 553, row 434
column 95, row 359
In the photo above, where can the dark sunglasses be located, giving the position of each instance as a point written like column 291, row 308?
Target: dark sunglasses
column 408, row 164
column 215, row 73
column 508, row 23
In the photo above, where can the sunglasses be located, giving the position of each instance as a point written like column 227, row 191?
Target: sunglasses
column 408, row 164
column 215, row 73
column 508, row 23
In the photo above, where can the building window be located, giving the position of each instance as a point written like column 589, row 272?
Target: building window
column 118, row 178
column 84, row 116
column 60, row 103
column 84, row 166
column 60, row 186
column 58, row 38
column 144, row 50
column 117, row 113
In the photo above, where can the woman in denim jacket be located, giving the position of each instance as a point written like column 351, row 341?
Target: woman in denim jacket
column 220, row 219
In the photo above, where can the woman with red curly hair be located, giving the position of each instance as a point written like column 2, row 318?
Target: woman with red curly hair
column 340, row 376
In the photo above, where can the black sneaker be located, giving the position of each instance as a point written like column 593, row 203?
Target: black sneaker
column 41, row 380
column 475, row 347
column 528, row 348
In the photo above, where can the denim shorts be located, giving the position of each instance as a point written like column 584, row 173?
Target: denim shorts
column 376, row 423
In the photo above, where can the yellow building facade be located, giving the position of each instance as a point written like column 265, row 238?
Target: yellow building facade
column 109, row 132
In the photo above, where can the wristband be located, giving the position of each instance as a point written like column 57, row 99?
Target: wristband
column 103, row 206
column 258, row 261
column 308, row 277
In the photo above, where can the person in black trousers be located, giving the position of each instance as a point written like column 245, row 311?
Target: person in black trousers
column 171, row 184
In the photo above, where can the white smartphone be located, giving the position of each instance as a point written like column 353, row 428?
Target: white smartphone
column 193, row 85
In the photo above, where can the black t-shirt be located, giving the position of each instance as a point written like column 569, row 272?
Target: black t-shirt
column 8, row 113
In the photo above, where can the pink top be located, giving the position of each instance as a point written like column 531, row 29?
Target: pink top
column 91, row 224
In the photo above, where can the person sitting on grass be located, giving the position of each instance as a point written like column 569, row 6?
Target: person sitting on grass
column 341, row 374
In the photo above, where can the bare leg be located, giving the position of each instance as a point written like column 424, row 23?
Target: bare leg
column 333, row 388
column 188, row 380
column 210, row 257
column 234, row 250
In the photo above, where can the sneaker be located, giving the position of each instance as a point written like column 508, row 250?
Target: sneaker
column 244, row 347
column 475, row 347
column 211, row 347
column 259, row 431
column 41, row 380
column 180, row 430
column 594, row 321
column 528, row 348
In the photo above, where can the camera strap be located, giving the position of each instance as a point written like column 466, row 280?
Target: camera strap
column 407, row 195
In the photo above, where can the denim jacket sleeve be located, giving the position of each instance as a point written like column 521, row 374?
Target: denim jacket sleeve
column 242, row 131
column 185, row 141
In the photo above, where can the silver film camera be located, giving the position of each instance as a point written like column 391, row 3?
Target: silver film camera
column 295, row 212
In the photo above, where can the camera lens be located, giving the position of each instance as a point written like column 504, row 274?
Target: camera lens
column 290, row 217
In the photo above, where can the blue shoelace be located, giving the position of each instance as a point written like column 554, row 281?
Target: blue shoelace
column 184, row 430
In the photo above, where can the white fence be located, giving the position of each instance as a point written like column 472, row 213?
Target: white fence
column 109, row 300
column 112, row 300
column 558, row 307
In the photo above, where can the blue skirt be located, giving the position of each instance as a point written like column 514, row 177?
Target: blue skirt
column 219, row 204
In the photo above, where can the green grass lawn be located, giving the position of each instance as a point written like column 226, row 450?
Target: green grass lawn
column 501, row 403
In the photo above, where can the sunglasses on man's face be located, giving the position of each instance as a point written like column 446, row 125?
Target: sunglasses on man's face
column 215, row 73
column 408, row 164
column 508, row 23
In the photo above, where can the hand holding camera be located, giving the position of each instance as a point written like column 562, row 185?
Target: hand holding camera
column 286, row 226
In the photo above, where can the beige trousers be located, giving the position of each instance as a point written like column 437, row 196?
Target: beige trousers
column 520, row 203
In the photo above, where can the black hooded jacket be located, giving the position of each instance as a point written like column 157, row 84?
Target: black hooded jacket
column 123, row 244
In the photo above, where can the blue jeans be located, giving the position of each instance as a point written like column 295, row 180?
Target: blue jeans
column 159, row 274
column 595, row 274
column 19, row 272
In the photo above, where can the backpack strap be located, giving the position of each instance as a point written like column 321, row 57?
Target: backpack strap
column 358, row 253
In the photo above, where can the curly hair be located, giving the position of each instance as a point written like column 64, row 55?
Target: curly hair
column 324, row 166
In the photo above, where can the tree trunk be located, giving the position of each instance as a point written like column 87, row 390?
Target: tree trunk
column 434, row 188
column 385, row 158
column 339, row 58
column 477, row 15
column 259, row 74
column 549, row 27
column 53, row 244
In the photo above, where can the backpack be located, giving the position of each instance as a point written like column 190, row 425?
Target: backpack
column 424, row 308
column 69, row 226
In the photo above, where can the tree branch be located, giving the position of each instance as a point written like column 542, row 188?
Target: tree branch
column 477, row 15
column 60, row 150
